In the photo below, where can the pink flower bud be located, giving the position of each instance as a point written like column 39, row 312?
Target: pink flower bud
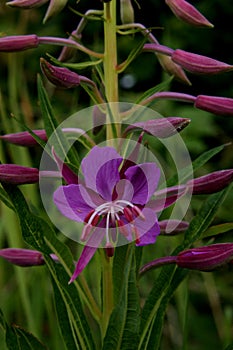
column 22, row 257
column 211, row 183
column 26, row 4
column 59, row 76
column 24, row 138
column 206, row 258
column 18, row 43
column 215, row 104
column 179, row 227
column 18, row 175
column 199, row 64
column 162, row 127
column 188, row 13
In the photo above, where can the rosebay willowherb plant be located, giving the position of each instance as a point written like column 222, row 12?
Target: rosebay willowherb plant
column 108, row 209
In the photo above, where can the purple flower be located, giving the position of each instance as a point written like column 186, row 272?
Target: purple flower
column 113, row 202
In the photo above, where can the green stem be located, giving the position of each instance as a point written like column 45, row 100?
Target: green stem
column 110, row 64
column 107, row 293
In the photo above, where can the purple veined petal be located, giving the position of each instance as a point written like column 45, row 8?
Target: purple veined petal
column 92, row 163
column 144, row 178
column 124, row 190
column 73, row 202
column 149, row 228
column 166, row 197
column 107, row 178
column 87, row 253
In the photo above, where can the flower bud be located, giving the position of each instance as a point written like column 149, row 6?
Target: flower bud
column 162, row 127
column 24, row 138
column 18, row 43
column 188, row 13
column 127, row 12
column 199, row 64
column 206, row 258
column 211, row 183
column 26, row 4
column 167, row 225
column 18, row 175
column 59, row 76
column 215, row 104
column 22, row 257
column 173, row 69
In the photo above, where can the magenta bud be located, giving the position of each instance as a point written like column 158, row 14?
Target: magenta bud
column 211, row 183
column 18, row 43
column 162, row 127
column 188, row 13
column 24, row 138
column 166, row 227
column 22, row 257
column 18, row 175
column 59, row 76
column 199, row 64
column 206, row 258
column 26, row 4
column 215, row 104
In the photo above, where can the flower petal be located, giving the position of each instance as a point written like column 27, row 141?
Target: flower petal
column 149, row 228
column 73, row 201
column 88, row 252
column 107, row 178
column 144, row 178
column 92, row 163
column 124, row 190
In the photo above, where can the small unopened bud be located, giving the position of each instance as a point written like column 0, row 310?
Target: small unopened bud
column 173, row 69
column 127, row 12
column 199, row 64
column 162, row 127
column 206, row 258
column 22, row 257
column 24, row 138
column 18, row 43
column 211, row 183
column 18, row 175
column 59, row 76
column 172, row 227
column 188, row 13
column 26, row 4
column 215, row 104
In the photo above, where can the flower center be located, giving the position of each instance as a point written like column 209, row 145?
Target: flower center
column 116, row 214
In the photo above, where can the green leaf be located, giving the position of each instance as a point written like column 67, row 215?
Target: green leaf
column 217, row 229
column 185, row 173
column 158, row 88
column 37, row 233
column 76, row 66
column 18, row 338
column 58, row 139
column 132, row 55
column 124, row 321
column 66, row 330
column 5, row 199
column 161, row 286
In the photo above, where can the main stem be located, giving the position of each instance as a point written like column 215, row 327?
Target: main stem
column 110, row 64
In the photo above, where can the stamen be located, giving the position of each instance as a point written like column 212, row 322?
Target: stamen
column 128, row 214
column 86, row 232
column 138, row 212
